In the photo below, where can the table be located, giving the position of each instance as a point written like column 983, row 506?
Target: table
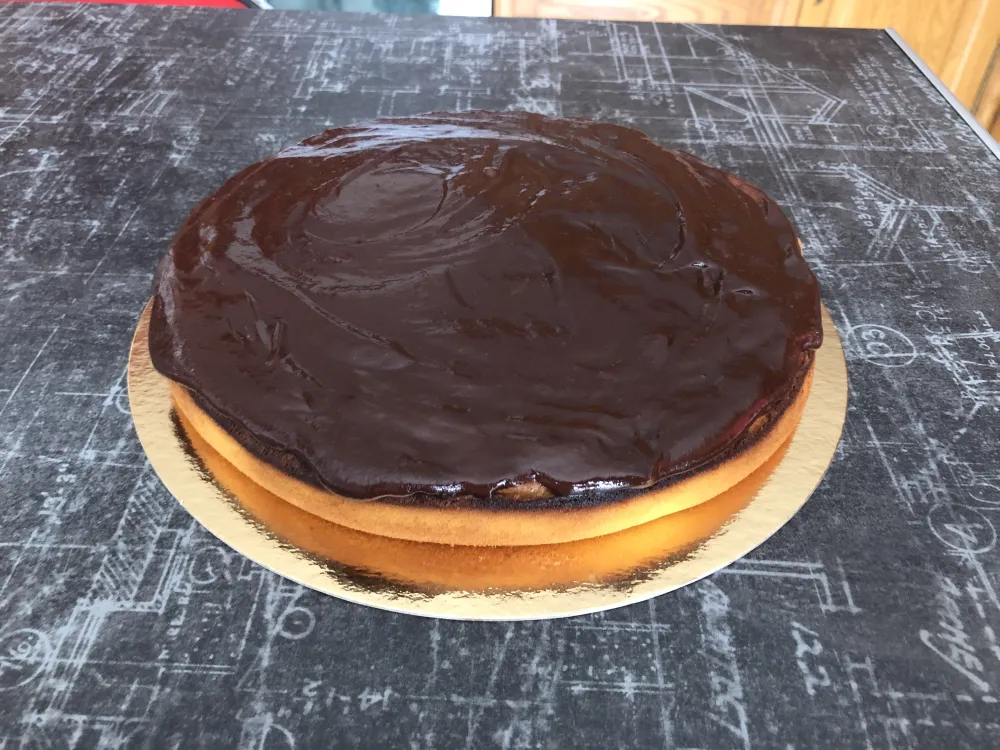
column 871, row 621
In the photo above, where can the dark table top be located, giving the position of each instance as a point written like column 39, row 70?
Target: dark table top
column 872, row 620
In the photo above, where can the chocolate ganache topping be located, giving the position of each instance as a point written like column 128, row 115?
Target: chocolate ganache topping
column 451, row 305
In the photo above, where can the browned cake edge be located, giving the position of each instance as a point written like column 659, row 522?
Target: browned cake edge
column 506, row 521
column 420, row 566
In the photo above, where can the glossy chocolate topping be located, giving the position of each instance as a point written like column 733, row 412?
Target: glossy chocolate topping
column 458, row 304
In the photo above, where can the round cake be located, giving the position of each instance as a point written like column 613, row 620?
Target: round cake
column 488, row 328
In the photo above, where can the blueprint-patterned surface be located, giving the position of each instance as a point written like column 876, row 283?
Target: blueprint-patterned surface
column 871, row 621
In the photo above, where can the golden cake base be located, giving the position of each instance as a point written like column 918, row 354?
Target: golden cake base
column 488, row 583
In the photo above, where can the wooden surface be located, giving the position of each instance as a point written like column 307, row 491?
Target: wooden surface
column 987, row 105
column 756, row 12
column 957, row 38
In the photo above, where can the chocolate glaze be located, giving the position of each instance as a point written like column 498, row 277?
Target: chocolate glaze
column 452, row 305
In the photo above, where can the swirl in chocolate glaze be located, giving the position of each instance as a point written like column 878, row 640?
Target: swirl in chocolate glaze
column 456, row 304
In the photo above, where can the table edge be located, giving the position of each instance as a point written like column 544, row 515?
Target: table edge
column 936, row 82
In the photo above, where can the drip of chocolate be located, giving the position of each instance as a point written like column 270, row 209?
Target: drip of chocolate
column 455, row 305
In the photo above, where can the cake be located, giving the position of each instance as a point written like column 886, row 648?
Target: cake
column 487, row 328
